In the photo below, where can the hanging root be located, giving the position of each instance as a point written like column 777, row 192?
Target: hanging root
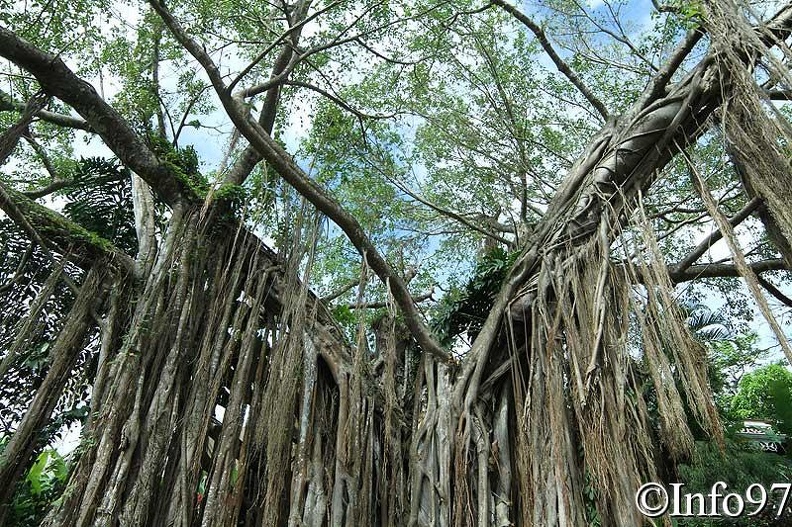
column 759, row 134
column 194, row 342
column 62, row 358
column 585, row 419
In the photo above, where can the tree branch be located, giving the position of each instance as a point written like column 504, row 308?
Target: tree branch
column 779, row 95
column 339, row 40
column 53, row 231
column 286, row 167
column 47, row 228
column 9, row 105
column 664, row 74
column 58, row 80
column 723, row 270
column 379, row 305
column 562, row 66
column 55, row 186
column 451, row 214
column 773, row 290
column 710, row 240
column 336, row 99
column 340, row 291
column 295, row 29
column 250, row 156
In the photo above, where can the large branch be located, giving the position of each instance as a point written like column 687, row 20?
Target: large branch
column 58, row 233
column 773, row 290
column 620, row 164
column 286, row 167
column 722, row 270
column 58, row 80
column 44, row 227
column 710, row 240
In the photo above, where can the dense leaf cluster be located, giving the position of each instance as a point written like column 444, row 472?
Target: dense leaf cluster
column 42, row 484
column 740, row 466
column 101, row 201
column 464, row 310
column 183, row 161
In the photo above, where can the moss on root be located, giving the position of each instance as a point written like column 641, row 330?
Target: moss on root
column 62, row 232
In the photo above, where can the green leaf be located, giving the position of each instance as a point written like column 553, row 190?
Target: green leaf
column 35, row 476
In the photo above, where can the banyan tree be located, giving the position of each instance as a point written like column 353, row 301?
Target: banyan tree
column 222, row 287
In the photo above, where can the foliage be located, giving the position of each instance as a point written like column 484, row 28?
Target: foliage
column 765, row 394
column 730, row 359
column 464, row 310
column 739, row 466
column 42, row 484
column 690, row 12
column 100, row 199
column 707, row 325
column 183, row 161
column 344, row 315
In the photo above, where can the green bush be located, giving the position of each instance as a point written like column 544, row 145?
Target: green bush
column 739, row 466
column 42, row 484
